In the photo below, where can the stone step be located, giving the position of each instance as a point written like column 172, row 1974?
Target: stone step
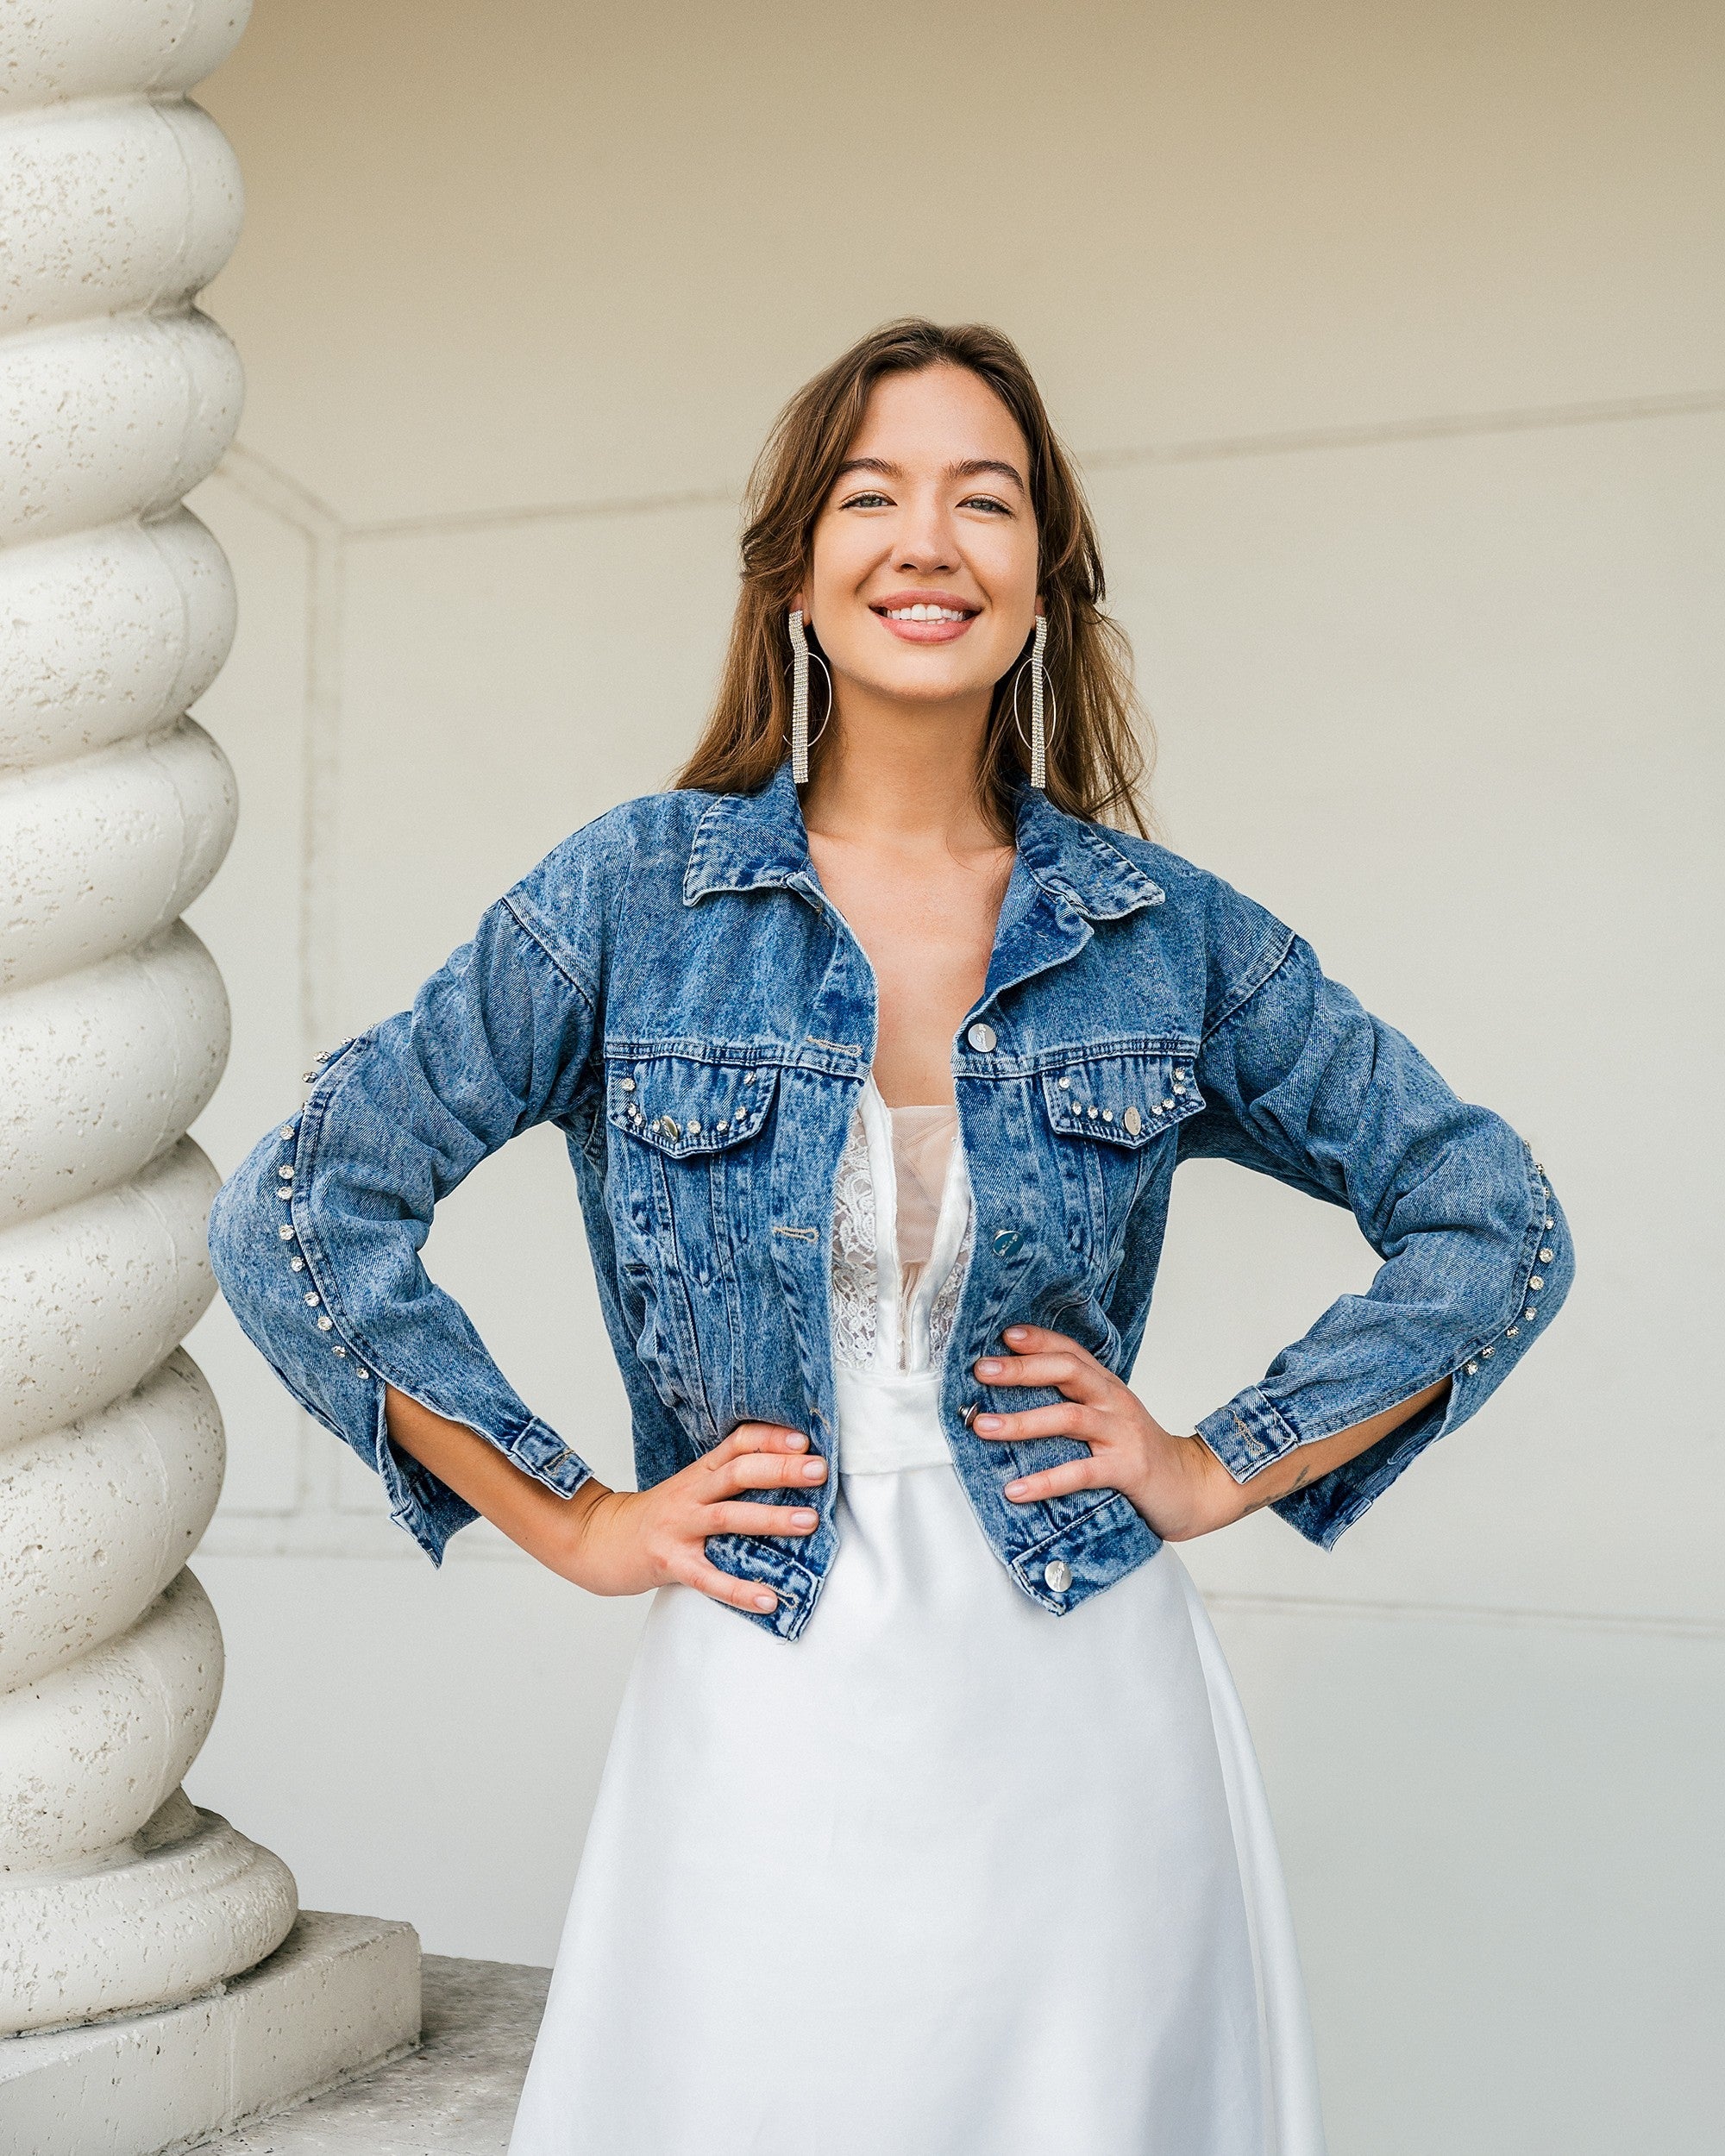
column 338, row 1997
column 455, row 2096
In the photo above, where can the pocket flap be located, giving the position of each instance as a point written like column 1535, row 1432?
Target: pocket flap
column 1123, row 1100
column 680, row 1106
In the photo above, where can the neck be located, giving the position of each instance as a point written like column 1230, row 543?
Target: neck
column 904, row 775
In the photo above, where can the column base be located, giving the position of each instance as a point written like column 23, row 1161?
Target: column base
column 339, row 1996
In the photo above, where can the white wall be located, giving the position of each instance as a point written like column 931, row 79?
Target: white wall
column 1389, row 336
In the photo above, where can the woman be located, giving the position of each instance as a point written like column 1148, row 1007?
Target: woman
column 931, row 1822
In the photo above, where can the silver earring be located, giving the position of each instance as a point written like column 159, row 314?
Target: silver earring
column 1039, row 689
column 800, row 655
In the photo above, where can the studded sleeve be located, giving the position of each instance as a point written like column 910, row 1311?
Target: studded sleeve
column 1301, row 1081
column 316, row 1237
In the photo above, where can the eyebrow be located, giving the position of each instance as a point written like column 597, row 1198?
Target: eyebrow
column 966, row 468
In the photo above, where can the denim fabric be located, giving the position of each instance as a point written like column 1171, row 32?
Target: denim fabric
column 670, row 986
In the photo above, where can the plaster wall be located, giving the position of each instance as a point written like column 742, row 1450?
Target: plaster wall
column 1389, row 337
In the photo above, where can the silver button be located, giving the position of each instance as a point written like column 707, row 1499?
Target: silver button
column 1473, row 1370
column 1512, row 1333
column 1550, row 1223
column 1063, row 1083
column 1530, row 1311
column 314, row 1297
column 1167, row 1104
column 1057, row 1574
column 1545, row 1257
column 1107, row 1115
column 286, row 1172
column 286, row 1130
column 1091, row 1112
column 1536, row 1282
column 287, row 1234
column 297, row 1264
column 982, row 1037
column 628, row 1084
column 1133, row 1121
column 359, row 1371
column 325, row 1324
column 693, row 1126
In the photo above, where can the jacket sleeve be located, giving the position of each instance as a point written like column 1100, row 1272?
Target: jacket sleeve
column 316, row 1237
column 1301, row 1082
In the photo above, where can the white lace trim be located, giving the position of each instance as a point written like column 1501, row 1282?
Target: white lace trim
column 856, row 1276
column 853, row 1253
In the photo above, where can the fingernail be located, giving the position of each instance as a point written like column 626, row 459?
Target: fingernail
column 813, row 1470
column 803, row 1518
column 795, row 1440
column 990, row 1369
column 987, row 1422
column 1016, row 1331
column 766, row 1601
column 1015, row 1489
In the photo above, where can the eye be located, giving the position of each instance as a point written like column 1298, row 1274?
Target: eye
column 871, row 499
column 985, row 501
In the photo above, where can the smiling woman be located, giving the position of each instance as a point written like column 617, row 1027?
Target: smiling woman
column 930, row 1823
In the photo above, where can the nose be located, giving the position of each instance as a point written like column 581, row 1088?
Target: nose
column 925, row 542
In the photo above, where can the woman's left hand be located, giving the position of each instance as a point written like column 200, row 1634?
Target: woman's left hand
column 1176, row 1482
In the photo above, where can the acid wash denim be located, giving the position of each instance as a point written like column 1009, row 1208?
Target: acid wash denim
column 672, row 988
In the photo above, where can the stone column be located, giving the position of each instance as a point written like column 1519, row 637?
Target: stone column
column 120, row 200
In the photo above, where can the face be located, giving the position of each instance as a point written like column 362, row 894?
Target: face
column 929, row 517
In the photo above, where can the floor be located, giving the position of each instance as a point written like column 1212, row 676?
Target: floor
column 455, row 2096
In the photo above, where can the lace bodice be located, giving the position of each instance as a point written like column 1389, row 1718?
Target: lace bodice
column 914, row 1285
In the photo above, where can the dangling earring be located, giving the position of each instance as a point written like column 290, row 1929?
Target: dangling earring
column 800, row 655
column 1039, row 688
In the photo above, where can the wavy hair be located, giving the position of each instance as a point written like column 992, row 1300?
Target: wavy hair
column 1097, row 759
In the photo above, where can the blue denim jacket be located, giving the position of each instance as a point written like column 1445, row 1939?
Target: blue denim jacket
column 670, row 986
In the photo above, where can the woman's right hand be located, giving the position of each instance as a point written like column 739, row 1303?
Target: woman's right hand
column 624, row 1541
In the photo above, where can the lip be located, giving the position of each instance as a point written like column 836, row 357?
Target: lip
column 922, row 632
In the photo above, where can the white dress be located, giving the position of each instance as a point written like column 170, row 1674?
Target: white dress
column 948, row 1875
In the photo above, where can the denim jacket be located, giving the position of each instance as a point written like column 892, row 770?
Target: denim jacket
column 671, row 987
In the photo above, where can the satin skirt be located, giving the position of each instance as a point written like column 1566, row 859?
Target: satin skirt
column 947, row 1876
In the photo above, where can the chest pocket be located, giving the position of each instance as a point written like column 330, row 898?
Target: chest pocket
column 686, row 1167
column 685, row 1178
column 1111, row 1119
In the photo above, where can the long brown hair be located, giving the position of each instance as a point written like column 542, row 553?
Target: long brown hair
column 1097, row 759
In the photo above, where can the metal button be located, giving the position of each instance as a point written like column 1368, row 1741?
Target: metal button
column 324, row 1323
column 1133, row 1121
column 1063, row 1083
column 1473, row 1370
column 1092, row 1113
column 1107, row 1115
column 286, row 1130
column 1536, row 1282
column 1007, row 1243
column 287, row 1234
column 1057, row 1573
column 982, row 1037
column 314, row 1297
column 1546, row 1256
column 286, row 1172
column 297, row 1264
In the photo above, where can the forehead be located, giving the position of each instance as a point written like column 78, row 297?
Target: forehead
column 939, row 416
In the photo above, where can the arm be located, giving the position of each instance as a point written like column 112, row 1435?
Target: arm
column 316, row 1238
column 1299, row 1081
column 625, row 1542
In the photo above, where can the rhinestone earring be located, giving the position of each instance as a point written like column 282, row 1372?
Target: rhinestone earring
column 1039, row 690
column 800, row 655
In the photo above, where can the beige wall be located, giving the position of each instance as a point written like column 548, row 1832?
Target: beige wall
column 1389, row 336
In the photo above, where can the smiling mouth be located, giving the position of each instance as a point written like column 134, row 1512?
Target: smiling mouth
column 925, row 621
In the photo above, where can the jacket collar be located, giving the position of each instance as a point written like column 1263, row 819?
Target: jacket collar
column 757, row 842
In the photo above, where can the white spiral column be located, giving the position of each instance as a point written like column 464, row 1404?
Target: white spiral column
column 120, row 201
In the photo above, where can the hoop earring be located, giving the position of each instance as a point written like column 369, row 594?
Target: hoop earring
column 800, row 737
column 1040, row 688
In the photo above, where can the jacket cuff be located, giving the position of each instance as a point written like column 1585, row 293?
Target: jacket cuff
column 1247, row 1434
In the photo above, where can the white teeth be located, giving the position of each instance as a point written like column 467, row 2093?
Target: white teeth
column 925, row 613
